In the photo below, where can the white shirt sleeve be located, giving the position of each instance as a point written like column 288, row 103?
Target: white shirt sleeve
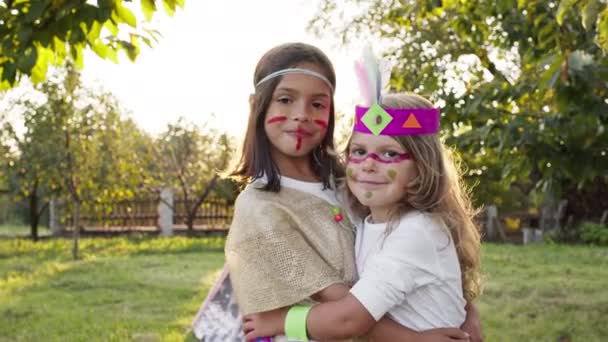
column 407, row 260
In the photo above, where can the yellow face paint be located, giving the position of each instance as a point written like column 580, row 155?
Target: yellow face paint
column 391, row 174
column 368, row 194
column 350, row 173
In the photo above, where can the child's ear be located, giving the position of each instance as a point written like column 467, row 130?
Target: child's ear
column 251, row 102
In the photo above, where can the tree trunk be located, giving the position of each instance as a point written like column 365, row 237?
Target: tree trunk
column 76, row 230
column 190, row 221
column 34, row 214
column 192, row 212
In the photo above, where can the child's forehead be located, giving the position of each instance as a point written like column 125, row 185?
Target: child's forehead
column 303, row 84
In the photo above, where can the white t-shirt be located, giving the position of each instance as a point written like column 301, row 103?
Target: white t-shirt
column 313, row 188
column 413, row 274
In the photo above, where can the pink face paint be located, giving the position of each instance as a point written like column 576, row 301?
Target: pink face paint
column 321, row 123
column 397, row 159
column 275, row 119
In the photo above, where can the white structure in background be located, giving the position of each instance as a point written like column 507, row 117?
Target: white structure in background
column 165, row 212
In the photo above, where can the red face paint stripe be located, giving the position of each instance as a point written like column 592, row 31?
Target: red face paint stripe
column 321, row 123
column 276, row 119
column 399, row 158
column 299, row 144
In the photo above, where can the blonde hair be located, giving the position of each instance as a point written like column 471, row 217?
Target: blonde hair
column 437, row 189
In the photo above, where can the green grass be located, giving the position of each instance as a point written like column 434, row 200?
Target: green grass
column 19, row 230
column 543, row 292
column 123, row 289
column 146, row 289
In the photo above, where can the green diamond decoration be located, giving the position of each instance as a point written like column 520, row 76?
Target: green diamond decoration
column 376, row 119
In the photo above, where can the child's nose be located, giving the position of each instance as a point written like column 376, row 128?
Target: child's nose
column 301, row 113
column 369, row 164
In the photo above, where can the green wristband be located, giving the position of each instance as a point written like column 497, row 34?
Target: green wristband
column 295, row 323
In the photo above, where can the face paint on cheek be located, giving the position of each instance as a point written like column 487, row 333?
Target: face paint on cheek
column 351, row 174
column 391, row 174
column 368, row 195
column 278, row 118
column 321, row 123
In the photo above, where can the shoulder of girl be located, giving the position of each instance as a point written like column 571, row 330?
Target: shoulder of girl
column 252, row 201
column 413, row 217
column 416, row 221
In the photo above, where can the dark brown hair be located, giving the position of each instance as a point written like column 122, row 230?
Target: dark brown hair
column 255, row 160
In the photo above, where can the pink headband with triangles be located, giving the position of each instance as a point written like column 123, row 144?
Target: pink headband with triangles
column 391, row 121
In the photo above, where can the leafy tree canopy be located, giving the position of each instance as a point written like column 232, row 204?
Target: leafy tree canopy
column 522, row 84
column 36, row 33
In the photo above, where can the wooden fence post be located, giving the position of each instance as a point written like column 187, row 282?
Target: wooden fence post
column 491, row 213
column 54, row 223
column 493, row 225
column 165, row 212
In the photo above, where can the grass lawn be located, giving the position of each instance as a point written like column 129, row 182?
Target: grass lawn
column 145, row 289
column 543, row 292
column 14, row 230
column 136, row 289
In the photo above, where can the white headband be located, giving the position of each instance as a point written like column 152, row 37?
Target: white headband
column 296, row 71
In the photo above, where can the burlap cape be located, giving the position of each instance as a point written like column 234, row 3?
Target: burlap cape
column 284, row 247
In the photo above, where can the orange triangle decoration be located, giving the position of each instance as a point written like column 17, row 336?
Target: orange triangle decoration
column 412, row 122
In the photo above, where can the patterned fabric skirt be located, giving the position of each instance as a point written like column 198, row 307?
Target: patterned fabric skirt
column 218, row 319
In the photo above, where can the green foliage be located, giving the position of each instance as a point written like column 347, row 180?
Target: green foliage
column 36, row 33
column 74, row 139
column 190, row 158
column 522, row 85
column 594, row 233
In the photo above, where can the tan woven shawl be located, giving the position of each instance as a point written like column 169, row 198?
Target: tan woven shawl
column 283, row 247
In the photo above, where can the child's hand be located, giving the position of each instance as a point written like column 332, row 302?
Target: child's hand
column 269, row 323
column 443, row 335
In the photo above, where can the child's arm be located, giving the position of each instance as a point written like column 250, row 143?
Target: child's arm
column 387, row 330
column 339, row 319
column 331, row 293
column 472, row 323
column 384, row 330
column 347, row 318
column 344, row 319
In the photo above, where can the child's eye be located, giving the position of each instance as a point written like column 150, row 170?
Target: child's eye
column 319, row 105
column 390, row 154
column 284, row 100
column 358, row 152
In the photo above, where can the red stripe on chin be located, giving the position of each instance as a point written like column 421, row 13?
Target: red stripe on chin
column 299, row 144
